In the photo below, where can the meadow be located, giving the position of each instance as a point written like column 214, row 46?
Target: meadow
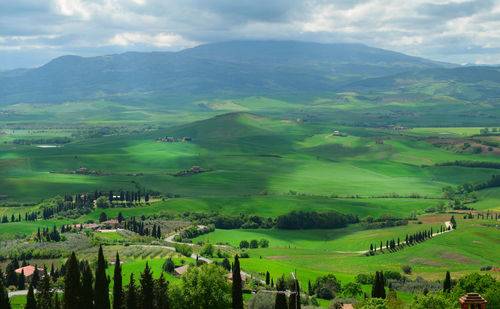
column 256, row 165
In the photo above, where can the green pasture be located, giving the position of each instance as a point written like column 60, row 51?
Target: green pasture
column 245, row 155
column 353, row 238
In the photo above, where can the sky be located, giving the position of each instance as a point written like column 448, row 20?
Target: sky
column 32, row 32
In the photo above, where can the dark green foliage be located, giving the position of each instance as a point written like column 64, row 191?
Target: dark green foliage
column 244, row 244
column 378, row 289
column 35, row 278
column 326, row 287
column 103, row 217
column 319, row 220
column 21, row 281
column 45, row 294
column 72, row 286
column 280, row 302
column 147, row 286
column 101, row 290
column 237, row 293
column 161, row 300
column 447, row 283
column 87, row 291
column 131, row 294
column 10, row 273
column 268, row 278
column 226, row 265
column 57, row 302
column 169, row 265
column 117, row 287
column 4, row 296
column 30, row 299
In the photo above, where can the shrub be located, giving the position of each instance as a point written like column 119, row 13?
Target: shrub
column 254, row 244
column 326, row 287
column 169, row 265
column 244, row 244
column 264, row 243
column 364, row 278
column 406, row 269
column 207, row 250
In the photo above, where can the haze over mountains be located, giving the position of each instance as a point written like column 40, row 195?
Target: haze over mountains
column 239, row 67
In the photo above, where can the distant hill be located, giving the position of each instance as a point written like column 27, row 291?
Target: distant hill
column 464, row 83
column 242, row 67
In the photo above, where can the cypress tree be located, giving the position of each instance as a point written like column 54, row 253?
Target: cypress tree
column 71, row 295
column 4, row 296
column 237, row 293
column 30, row 299
column 57, row 303
column 147, row 287
column 381, row 285
column 309, row 288
column 117, row 288
column 378, row 290
column 87, row 293
column 21, row 281
column 44, row 293
column 295, row 298
column 268, row 278
column 161, row 300
column 280, row 302
column 36, row 277
column 101, row 291
column 131, row 293
column 447, row 283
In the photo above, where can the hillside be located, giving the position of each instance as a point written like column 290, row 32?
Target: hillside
column 464, row 83
column 246, row 67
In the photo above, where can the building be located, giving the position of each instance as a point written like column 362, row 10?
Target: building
column 181, row 269
column 29, row 271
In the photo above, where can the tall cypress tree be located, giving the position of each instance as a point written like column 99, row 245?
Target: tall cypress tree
column 117, row 287
column 30, row 299
column 378, row 289
column 21, row 281
column 101, row 291
column 147, row 287
column 280, row 302
column 131, row 293
column 87, row 292
column 44, row 293
column 237, row 292
column 447, row 283
column 295, row 298
column 268, row 278
column 71, row 295
column 161, row 300
column 4, row 296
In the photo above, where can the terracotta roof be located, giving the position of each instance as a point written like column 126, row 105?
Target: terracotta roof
column 182, row 269
column 28, row 270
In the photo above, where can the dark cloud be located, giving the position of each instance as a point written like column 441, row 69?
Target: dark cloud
column 32, row 32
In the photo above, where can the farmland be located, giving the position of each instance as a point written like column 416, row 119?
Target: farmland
column 261, row 166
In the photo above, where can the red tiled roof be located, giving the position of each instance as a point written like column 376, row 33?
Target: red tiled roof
column 28, row 270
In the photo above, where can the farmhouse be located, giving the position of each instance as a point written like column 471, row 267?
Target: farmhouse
column 181, row 269
column 28, row 271
column 336, row 132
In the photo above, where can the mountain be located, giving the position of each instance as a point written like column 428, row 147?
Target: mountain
column 241, row 67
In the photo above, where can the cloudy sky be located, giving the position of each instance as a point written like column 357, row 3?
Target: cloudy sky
column 34, row 31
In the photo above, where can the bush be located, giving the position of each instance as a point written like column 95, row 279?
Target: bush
column 365, row 278
column 244, row 244
column 326, row 287
column 254, row 244
column 184, row 249
column 394, row 275
column 207, row 250
column 406, row 269
column 169, row 265
column 264, row 243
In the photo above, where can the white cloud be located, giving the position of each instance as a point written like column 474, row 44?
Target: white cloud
column 158, row 40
